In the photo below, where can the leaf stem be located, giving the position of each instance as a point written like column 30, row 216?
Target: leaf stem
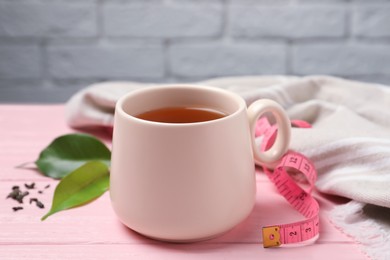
column 25, row 165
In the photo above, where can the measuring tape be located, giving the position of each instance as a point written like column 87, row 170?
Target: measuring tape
column 300, row 199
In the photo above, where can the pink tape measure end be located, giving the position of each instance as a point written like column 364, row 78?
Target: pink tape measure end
column 271, row 236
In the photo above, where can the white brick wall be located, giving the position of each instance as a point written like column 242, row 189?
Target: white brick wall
column 49, row 49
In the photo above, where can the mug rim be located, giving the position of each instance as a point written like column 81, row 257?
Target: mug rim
column 223, row 92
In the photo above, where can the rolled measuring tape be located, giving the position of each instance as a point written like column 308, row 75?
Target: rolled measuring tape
column 301, row 199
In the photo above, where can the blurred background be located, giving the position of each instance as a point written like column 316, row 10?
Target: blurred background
column 51, row 48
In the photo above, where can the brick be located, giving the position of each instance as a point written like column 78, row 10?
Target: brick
column 286, row 2
column 22, row 19
column 215, row 59
column 379, row 79
column 20, row 62
column 108, row 61
column 145, row 20
column 363, row 2
column 322, row 1
column 294, row 22
column 260, row 2
column 34, row 92
column 341, row 59
column 371, row 21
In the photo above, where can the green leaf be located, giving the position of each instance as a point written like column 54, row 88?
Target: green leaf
column 68, row 152
column 83, row 185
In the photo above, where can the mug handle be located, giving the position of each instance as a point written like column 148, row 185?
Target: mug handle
column 281, row 144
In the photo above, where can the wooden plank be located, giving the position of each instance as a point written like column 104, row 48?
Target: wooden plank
column 178, row 251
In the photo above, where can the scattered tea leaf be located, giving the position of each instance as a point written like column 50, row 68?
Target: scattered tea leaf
column 84, row 184
column 30, row 186
column 68, row 152
column 21, row 196
column 14, row 193
column 39, row 204
column 17, row 208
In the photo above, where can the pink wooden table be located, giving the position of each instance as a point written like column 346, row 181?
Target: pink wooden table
column 94, row 232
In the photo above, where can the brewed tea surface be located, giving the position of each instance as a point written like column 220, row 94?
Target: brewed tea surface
column 181, row 115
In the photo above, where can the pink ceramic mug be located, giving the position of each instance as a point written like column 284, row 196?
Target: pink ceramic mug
column 185, row 182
